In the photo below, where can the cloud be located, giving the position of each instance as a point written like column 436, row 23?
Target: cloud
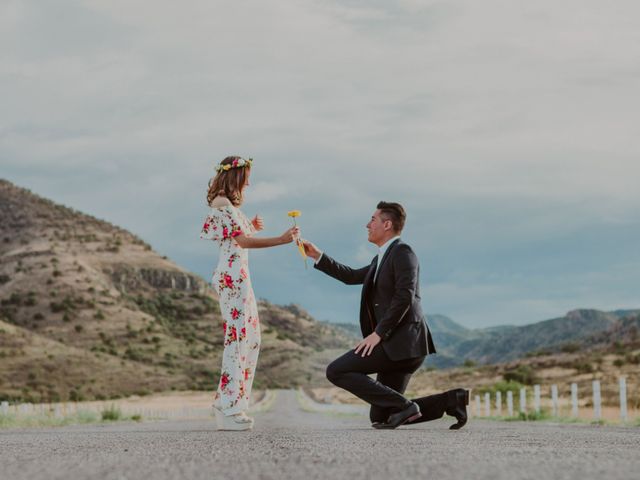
column 508, row 130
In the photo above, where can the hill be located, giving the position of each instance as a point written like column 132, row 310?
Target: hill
column 581, row 327
column 89, row 310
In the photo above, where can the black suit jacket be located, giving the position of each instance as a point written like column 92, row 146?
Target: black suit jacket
column 390, row 306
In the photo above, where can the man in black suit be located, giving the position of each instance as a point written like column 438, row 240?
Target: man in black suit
column 396, row 339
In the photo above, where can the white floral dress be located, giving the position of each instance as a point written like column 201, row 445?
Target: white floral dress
column 238, row 307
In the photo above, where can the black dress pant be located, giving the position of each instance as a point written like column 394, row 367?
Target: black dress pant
column 385, row 393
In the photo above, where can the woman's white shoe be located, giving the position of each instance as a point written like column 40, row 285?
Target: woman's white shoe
column 245, row 417
column 233, row 422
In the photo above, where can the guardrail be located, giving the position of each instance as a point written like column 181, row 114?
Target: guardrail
column 558, row 407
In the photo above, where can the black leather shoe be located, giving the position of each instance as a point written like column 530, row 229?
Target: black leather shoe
column 412, row 412
column 457, row 407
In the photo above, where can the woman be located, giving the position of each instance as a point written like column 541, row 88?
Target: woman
column 233, row 231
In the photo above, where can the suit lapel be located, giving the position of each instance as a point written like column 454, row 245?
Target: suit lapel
column 368, row 279
column 386, row 254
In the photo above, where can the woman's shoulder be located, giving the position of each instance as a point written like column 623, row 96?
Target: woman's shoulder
column 220, row 202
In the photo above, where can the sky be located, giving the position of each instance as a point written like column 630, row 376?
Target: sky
column 508, row 129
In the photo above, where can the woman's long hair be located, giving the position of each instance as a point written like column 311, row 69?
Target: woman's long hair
column 228, row 183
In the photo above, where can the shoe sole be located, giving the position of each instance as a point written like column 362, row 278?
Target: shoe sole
column 239, row 427
column 384, row 426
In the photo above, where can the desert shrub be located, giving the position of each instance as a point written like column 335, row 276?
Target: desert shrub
column 75, row 396
column 633, row 359
column 38, row 316
column 111, row 413
column 30, row 301
column 4, row 279
column 570, row 347
column 14, row 299
column 78, row 328
column 583, row 367
column 523, row 374
column 98, row 315
column 533, row 416
column 133, row 354
column 618, row 362
column 469, row 363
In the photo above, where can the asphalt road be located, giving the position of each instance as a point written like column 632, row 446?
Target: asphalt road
column 288, row 442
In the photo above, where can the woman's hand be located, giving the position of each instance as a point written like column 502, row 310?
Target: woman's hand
column 290, row 235
column 257, row 223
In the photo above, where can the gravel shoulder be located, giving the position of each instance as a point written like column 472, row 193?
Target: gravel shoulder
column 291, row 442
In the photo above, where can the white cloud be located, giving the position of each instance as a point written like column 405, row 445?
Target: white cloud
column 502, row 126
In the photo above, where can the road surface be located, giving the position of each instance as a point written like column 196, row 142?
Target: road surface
column 291, row 443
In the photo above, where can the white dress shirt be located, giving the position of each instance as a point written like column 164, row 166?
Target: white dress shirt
column 381, row 252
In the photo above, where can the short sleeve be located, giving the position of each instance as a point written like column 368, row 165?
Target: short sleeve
column 223, row 224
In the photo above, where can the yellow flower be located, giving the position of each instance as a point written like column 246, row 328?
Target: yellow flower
column 293, row 214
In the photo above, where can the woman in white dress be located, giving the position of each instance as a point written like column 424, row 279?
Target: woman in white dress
column 234, row 234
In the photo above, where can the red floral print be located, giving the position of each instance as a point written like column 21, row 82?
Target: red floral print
column 224, row 381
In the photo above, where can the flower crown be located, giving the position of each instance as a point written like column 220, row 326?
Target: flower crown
column 237, row 163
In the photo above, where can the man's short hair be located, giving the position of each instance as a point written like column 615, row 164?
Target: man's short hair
column 395, row 213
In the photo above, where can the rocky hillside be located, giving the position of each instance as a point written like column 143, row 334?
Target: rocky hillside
column 457, row 344
column 89, row 310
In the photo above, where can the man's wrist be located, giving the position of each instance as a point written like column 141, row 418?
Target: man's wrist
column 318, row 259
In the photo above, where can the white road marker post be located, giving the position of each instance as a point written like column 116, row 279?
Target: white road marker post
column 623, row 399
column 554, row 400
column 499, row 404
column 536, row 398
column 574, row 400
column 523, row 400
column 510, row 403
column 478, row 407
column 597, row 401
column 487, row 404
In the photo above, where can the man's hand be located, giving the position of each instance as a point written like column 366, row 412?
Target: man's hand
column 367, row 344
column 311, row 250
column 257, row 222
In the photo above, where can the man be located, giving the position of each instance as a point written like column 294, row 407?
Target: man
column 396, row 339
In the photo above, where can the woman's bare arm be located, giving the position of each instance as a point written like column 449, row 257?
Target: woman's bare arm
column 256, row 242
